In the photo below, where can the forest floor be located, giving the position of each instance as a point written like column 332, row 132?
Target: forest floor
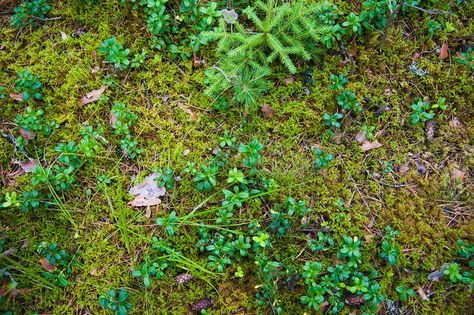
column 417, row 179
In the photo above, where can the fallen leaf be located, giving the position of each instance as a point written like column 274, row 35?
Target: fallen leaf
column 422, row 293
column 26, row 134
column 17, row 97
column 371, row 223
column 95, row 69
column 192, row 115
column 63, row 35
column 368, row 145
column 147, row 193
column 27, row 166
column 92, row 96
column 323, row 306
column 289, row 80
column 353, row 49
column 142, row 201
column 148, row 212
column 434, row 276
column 444, row 51
column 267, row 110
column 113, row 119
column 415, row 56
column 457, row 174
column 46, row 265
column 360, row 136
column 404, row 168
column 368, row 236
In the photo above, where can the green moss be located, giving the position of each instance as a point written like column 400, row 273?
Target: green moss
column 112, row 238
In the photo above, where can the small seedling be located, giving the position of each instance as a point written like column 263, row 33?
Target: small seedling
column 333, row 120
column 116, row 303
column 337, row 82
column 322, row 159
column 353, row 23
column 168, row 223
column 206, row 178
column 11, row 200
column 390, row 246
column 165, row 178
column 115, row 53
column 29, row 12
column 33, row 121
column 236, row 176
column 150, row 269
column 350, row 248
column 262, row 239
column 348, row 101
column 420, row 113
column 252, row 154
column 28, row 85
column 404, row 292
column 369, row 132
column 452, row 270
column 227, row 140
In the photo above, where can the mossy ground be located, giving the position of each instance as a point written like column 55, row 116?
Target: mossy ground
column 431, row 210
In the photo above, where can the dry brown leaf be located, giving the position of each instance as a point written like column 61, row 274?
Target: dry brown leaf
column 457, row 174
column 142, row 201
column 360, row 136
column 27, row 166
column 353, row 49
column 192, row 115
column 404, row 168
column 46, row 265
column 113, row 119
column 368, row 237
column 369, row 145
column 422, row 293
column 267, row 110
column 415, row 56
column 17, row 97
column 148, row 212
column 444, row 51
column 26, row 134
column 323, row 306
column 289, row 80
column 95, row 69
column 92, row 96
column 147, row 193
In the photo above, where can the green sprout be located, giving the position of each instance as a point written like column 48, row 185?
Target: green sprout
column 116, row 303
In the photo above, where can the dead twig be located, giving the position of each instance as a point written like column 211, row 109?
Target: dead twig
column 428, row 11
column 46, row 19
column 389, row 21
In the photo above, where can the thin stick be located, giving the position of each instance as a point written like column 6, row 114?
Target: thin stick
column 389, row 21
column 429, row 11
column 46, row 19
